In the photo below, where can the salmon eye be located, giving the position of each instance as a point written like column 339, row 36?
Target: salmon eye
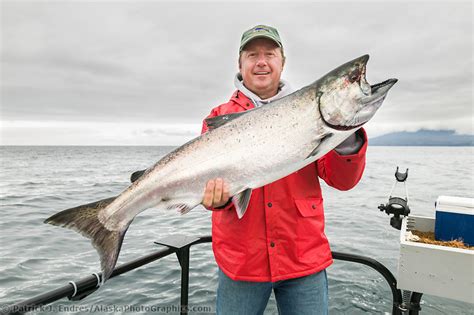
column 354, row 76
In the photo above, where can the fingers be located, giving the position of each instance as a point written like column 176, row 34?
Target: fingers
column 225, row 193
column 216, row 193
column 208, row 194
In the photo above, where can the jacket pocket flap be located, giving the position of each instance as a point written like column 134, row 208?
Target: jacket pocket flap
column 309, row 207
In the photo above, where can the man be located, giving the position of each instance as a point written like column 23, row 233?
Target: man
column 280, row 243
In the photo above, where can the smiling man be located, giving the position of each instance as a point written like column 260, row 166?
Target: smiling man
column 280, row 243
column 261, row 64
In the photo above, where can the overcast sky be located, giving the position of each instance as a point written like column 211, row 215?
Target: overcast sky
column 148, row 72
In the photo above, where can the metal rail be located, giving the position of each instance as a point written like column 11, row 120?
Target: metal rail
column 392, row 282
column 180, row 245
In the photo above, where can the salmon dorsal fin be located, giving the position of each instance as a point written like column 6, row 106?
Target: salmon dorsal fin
column 136, row 175
column 216, row 122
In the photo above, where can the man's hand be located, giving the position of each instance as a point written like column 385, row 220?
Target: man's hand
column 216, row 194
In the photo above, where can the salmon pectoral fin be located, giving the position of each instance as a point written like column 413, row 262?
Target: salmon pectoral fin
column 241, row 202
column 182, row 208
column 84, row 220
column 317, row 149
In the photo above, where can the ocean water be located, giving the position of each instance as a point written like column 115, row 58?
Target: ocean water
column 35, row 257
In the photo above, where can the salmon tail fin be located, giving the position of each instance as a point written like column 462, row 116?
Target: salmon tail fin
column 84, row 220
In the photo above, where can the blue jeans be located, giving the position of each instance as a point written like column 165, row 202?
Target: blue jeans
column 300, row 296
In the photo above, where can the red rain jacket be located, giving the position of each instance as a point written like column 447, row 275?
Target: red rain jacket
column 281, row 235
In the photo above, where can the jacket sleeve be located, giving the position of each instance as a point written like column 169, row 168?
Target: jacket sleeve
column 343, row 172
column 229, row 205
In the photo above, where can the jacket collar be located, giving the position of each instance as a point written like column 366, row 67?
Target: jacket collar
column 243, row 101
column 284, row 89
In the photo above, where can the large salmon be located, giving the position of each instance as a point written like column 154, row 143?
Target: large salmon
column 248, row 150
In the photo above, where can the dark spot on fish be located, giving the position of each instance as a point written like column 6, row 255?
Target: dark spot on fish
column 354, row 76
column 165, row 198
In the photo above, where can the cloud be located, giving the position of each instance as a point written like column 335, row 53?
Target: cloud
column 95, row 133
column 168, row 63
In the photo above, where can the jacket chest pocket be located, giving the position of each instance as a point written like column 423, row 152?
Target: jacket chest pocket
column 309, row 228
column 310, row 207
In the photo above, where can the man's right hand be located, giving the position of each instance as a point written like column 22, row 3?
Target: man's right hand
column 216, row 194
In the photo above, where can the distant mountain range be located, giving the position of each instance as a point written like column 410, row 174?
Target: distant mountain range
column 423, row 137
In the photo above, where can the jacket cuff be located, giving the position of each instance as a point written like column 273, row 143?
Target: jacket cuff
column 352, row 144
column 227, row 206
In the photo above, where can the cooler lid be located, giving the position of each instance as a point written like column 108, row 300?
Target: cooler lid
column 455, row 204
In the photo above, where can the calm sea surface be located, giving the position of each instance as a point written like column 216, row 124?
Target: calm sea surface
column 36, row 182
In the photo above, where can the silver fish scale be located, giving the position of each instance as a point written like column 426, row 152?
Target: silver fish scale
column 252, row 150
column 260, row 147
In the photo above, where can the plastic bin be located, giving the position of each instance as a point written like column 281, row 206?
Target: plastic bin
column 455, row 219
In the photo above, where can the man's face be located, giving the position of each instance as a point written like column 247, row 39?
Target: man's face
column 261, row 64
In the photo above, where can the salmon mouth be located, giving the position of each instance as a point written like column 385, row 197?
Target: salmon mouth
column 390, row 82
column 371, row 104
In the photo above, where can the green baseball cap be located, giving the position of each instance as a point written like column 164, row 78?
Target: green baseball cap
column 260, row 31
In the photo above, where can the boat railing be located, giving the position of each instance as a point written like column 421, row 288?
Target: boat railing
column 180, row 244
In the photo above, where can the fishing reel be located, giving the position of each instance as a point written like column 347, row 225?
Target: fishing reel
column 398, row 206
